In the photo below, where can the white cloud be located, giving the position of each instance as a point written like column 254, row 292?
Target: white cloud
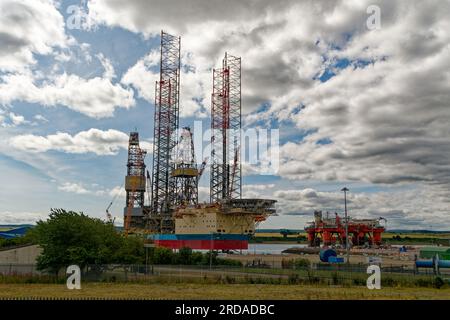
column 40, row 117
column 8, row 217
column 16, row 119
column 11, row 119
column 28, row 27
column 96, row 97
column 106, row 63
column 143, row 75
column 31, row 27
column 73, row 188
column 100, row 142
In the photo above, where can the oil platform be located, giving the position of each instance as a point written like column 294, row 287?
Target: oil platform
column 331, row 231
column 173, row 217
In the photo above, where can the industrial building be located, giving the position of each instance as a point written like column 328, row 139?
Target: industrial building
column 13, row 232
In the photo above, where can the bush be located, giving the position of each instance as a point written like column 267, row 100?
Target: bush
column 286, row 264
column 228, row 262
column 162, row 255
column 388, row 282
column 185, row 256
column 293, row 278
column 5, row 243
column 422, row 283
column 438, row 283
column 301, row 263
column 336, row 280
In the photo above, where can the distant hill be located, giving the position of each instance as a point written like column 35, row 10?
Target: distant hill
column 416, row 231
column 16, row 225
column 6, row 227
column 278, row 230
column 390, row 231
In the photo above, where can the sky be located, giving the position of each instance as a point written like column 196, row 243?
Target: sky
column 359, row 91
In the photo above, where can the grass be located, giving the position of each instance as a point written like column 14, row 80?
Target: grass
column 214, row 291
column 389, row 235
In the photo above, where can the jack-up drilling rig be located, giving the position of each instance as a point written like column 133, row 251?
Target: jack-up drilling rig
column 175, row 218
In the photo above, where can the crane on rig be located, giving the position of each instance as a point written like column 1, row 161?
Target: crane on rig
column 109, row 217
column 202, row 169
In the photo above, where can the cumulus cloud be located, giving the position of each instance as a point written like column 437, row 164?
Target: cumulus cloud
column 73, row 188
column 96, row 97
column 100, row 142
column 8, row 217
column 11, row 119
column 143, row 75
column 28, row 27
column 384, row 112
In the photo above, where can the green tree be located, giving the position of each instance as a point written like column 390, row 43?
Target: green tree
column 185, row 256
column 162, row 255
column 69, row 237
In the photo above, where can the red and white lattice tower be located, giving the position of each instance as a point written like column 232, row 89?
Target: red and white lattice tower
column 166, row 123
column 226, row 169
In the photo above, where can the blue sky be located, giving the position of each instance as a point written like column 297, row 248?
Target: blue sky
column 350, row 108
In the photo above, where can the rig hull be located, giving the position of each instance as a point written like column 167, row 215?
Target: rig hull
column 202, row 241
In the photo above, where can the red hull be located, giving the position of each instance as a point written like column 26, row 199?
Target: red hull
column 204, row 244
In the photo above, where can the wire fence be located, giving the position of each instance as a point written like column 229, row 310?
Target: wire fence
column 314, row 274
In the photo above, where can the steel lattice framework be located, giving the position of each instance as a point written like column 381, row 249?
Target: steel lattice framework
column 166, row 123
column 186, row 172
column 226, row 168
column 134, row 181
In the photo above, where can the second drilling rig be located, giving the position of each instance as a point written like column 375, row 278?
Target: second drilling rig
column 174, row 217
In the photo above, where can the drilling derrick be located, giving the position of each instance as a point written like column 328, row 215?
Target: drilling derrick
column 226, row 131
column 228, row 221
column 134, row 184
column 185, row 172
column 166, row 123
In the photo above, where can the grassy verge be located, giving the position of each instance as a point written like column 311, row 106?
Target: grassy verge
column 243, row 276
column 214, row 291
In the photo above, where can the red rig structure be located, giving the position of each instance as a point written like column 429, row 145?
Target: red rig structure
column 331, row 231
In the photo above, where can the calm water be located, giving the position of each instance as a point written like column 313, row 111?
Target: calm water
column 276, row 248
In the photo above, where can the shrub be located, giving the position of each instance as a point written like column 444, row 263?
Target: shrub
column 301, row 263
column 162, row 255
column 293, row 278
column 438, row 283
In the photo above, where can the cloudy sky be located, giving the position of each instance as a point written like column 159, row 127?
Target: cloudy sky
column 356, row 106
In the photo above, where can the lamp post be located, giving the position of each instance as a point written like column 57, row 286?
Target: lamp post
column 345, row 190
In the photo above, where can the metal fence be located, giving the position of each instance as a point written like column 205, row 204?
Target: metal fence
column 316, row 273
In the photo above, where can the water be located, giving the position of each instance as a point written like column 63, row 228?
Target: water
column 267, row 248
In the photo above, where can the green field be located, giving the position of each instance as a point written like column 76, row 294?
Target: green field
column 407, row 238
column 214, row 291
